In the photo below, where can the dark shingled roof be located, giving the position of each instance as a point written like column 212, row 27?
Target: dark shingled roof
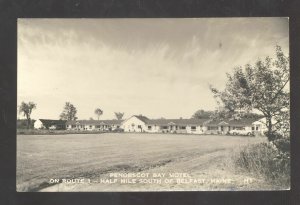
column 95, row 122
column 165, row 122
column 142, row 118
column 48, row 122
column 240, row 122
column 216, row 122
column 243, row 122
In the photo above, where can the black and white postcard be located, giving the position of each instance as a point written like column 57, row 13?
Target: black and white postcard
column 156, row 104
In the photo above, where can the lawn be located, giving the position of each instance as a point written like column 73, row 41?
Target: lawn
column 95, row 156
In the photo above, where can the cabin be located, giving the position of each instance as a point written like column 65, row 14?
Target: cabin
column 259, row 126
column 191, row 126
column 217, row 127
column 253, row 125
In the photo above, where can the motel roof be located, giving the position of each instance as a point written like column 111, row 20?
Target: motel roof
column 166, row 122
column 243, row 122
column 236, row 122
column 48, row 122
column 182, row 122
column 217, row 122
column 95, row 122
column 142, row 118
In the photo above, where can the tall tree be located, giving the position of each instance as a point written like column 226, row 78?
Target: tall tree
column 263, row 87
column 98, row 112
column 202, row 114
column 69, row 112
column 119, row 115
column 26, row 109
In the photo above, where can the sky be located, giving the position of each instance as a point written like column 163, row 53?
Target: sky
column 155, row 67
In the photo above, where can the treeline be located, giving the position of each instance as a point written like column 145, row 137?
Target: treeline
column 69, row 113
column 221, row 114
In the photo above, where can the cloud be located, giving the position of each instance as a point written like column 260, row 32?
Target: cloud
column 156, row 67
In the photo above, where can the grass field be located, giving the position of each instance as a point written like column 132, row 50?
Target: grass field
column 94, row 156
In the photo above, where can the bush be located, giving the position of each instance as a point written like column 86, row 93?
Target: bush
column 273, row 135
column 283, row 145
column 269, row 159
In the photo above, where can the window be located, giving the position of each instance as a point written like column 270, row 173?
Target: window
column 239, row 128
column 97, row 126
column 256, row 127
column 90, row 126
column 212, row 128
column 139, row 126
column 252, row 128
column 149, row 127
column 193, row 127
column 182, row 127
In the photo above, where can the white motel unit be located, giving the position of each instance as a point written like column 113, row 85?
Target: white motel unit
column 90, row 125
column 139, row 123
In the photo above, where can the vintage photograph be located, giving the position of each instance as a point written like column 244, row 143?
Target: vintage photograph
column 153, row 104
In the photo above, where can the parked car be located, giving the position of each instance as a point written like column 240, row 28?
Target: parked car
column 240, row 131
column 52, row 127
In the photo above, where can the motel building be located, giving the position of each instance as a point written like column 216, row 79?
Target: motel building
column 250, row 125
column 90, row 125
column 139, row 123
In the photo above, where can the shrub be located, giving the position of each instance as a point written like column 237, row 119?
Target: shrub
column 273, row 135
column 283, row 145
column 269, row 159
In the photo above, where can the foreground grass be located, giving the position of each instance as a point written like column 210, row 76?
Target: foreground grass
column 55, row 132
column 266, row 160
column 42, row 157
